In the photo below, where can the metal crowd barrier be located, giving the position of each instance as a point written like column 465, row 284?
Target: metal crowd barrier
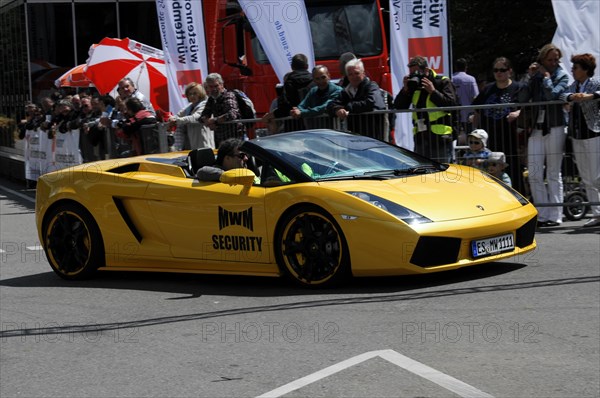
column 510, row 138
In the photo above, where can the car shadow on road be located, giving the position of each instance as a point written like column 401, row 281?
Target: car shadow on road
column 359, row 292
column 189, row 286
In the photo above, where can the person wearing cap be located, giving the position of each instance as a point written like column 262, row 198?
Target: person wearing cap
column 478, row 151
column 423, row 88
column 495, row 165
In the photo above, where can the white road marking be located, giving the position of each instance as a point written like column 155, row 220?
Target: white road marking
column 1, row 251
column 19, row 194
column 435, row 376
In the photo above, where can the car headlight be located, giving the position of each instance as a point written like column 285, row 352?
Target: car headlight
column 407, row 215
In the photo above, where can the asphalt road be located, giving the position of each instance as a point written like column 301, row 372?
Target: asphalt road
column 526, row 327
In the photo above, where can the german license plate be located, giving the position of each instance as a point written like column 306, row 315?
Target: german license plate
column 490, row 246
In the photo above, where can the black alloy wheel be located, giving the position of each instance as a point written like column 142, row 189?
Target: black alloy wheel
column 311, row 249
column 72, row 242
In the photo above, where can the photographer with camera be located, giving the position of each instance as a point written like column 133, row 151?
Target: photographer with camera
column 423, row 88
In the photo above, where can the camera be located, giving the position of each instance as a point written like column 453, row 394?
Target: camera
column 415, row 80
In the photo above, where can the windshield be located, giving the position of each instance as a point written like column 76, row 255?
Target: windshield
column 326, row 155
column 338, row 27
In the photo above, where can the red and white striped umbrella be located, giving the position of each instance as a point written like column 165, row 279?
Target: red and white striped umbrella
column 74, row 77
column 114, row 59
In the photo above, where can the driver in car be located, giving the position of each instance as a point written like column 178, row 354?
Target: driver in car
column 229, row 157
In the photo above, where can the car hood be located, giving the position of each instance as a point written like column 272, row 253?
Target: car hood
column 457, row 193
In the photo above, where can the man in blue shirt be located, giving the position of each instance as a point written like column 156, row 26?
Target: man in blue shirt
column 466, row 91
column 316, row 100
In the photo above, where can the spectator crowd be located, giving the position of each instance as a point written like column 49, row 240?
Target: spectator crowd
column 532, row 138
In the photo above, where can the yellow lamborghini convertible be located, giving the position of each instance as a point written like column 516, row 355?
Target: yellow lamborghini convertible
column 315, row 206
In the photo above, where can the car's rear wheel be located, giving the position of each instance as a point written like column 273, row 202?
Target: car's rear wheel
column 73, row 242
column 575, row 212
column 311, row 249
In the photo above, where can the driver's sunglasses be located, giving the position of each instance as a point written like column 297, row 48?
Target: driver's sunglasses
column 240, row 155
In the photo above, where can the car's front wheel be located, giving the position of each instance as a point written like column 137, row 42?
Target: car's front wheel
column 73, row 242
column 311, row 249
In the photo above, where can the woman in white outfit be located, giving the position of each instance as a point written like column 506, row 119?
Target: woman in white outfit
column 584, row 128
column 191, row 132
column 546, row 144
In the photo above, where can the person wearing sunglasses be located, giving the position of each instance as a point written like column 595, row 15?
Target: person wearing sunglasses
column 229, row 157
column 500, row 121
column 477, row 152
column 546, row 142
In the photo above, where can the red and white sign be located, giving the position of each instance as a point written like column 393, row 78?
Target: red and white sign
column 181, row 26
column 185, row 77
column 432, row 48
column 416, row 28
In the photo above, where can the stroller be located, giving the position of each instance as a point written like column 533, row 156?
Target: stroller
column 574, row 191
column 574, row 198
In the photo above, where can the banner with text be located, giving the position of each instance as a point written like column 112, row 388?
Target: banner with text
column 283, row 30
column 577, row 29
column 181, row 27
column 417, row 27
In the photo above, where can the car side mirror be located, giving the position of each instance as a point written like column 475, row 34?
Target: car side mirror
column 243, row 177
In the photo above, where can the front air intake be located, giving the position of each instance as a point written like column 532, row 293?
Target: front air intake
column 526, row 234
column 432, row 251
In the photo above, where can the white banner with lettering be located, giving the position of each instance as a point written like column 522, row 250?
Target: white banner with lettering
column 577, row 29
column 38, row 152
column 181, row 25
column 65, row 151
column 283, row 30
column 417, row 27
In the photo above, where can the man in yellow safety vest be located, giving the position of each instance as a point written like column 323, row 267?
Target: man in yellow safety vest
column 425, row 89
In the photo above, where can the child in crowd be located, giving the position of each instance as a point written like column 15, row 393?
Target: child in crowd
column 477, row 152
column 495, row 165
